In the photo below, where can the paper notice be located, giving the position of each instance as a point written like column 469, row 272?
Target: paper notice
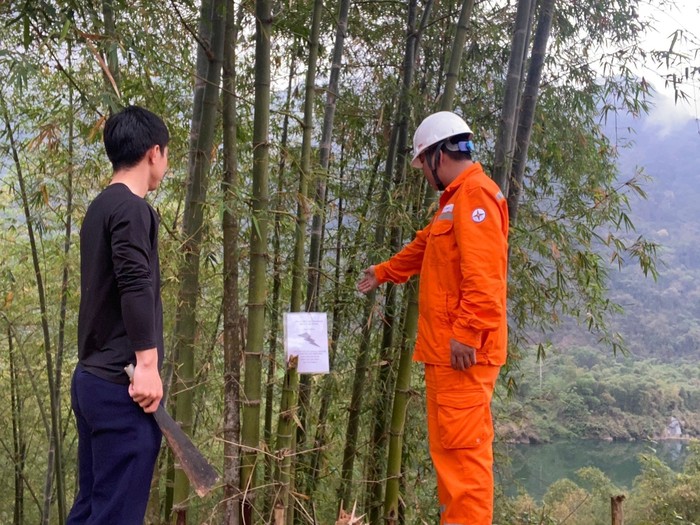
column 306, row 336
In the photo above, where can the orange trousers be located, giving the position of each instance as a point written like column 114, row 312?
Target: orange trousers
column 460, row 432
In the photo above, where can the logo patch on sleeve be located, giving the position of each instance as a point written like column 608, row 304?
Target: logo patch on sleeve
column 478, row 215
column 448, row 208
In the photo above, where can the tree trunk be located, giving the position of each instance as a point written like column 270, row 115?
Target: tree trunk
column 503, row 154
column 54, row 468
column 60, row 347
column 359, row 388
column 204, row 118
column 402, row 396
column 305, row 171
column 324, row 158
column 19, row 446
column 338, row 318
column 529, row 104
column 232, row 314
column 111, row 48
column 314, row 269
column 441, row 61
column 452, row 77
column 523, row 62
column 377, row 445
column 385, row 385
column 257, row 288
column 286, row 425
column 280, row 206
column 285, row 441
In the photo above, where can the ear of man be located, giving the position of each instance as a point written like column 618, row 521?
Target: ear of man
column 154, row 153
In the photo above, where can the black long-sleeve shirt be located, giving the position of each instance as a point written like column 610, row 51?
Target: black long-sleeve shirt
column 120, row 305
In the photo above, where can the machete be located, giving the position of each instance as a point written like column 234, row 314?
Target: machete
column 197, row 469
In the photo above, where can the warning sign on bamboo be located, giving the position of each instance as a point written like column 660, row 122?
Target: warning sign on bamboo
column 306, row 336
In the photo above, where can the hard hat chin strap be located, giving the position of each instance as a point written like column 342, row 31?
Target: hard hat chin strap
column 433, row 160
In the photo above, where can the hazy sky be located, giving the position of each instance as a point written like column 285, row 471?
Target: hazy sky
column 668, row 19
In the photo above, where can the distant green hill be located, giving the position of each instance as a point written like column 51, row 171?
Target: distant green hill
column 580, row 393
column 661, row 319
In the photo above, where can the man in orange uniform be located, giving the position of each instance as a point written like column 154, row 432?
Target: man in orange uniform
column 462, row 327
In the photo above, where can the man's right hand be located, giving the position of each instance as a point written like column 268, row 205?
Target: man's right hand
column 146, row 388
column 368, row 282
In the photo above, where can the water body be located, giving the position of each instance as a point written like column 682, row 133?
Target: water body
column 534, row 468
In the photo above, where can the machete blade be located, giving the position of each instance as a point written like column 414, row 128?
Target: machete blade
column 195, row 466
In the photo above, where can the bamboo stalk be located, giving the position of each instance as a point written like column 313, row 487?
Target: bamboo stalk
column 231, row 311
column 206, row 104
column 503, row 154
column 529, row 104
column 257, row 286
column 55, row 453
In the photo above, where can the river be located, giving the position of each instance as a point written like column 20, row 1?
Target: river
column 535, row 467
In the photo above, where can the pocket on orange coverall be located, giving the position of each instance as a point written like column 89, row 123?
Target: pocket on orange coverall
column 463, row 419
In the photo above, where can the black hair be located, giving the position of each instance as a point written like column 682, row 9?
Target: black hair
column 129, row 134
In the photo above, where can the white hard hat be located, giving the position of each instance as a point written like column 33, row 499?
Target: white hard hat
column 434, row 128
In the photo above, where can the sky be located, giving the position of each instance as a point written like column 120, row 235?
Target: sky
column 685, row 15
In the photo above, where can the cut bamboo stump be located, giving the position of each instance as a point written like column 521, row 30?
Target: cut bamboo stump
column 616, row 507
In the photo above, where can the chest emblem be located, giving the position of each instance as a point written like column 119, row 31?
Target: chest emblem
column 478, row 215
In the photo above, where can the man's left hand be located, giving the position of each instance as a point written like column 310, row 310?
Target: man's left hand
column 461, row 355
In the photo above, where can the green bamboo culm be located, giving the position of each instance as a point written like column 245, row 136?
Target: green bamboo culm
column 205, row 108
column 402, row 396
column 529, row 104
column 396, row 168
column 285, row 442
column 504, row 145
column 231, row 309
column 284, row 478
column 317, row 222
column 257, row 285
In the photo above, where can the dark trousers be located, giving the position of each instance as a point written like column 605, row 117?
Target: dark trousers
column 118, row 444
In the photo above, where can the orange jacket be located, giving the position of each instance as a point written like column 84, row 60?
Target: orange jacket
column 462, row 260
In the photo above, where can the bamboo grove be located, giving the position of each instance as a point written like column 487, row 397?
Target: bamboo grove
column 291, row 124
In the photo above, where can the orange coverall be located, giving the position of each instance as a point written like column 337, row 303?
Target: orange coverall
column 462, row 260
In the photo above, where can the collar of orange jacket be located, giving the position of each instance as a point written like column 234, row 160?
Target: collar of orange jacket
column 455, row 184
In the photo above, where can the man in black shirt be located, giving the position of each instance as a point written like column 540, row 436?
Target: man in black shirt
column 120, row 322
